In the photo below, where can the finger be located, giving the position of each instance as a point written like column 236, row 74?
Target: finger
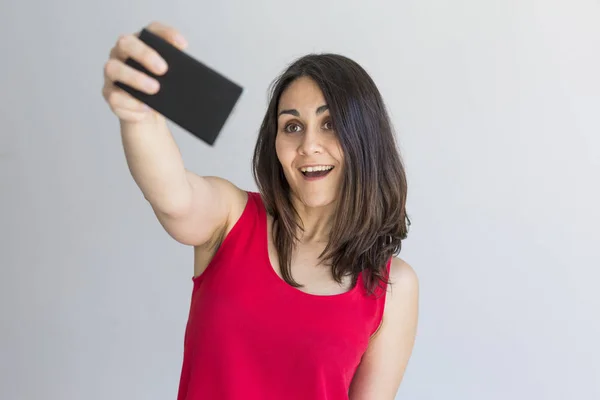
column 117, row 71
column 119, row 99
column 132, row 46
column 168, row 33
column 116, row 53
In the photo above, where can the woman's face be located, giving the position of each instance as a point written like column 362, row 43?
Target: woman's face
column 307, row 146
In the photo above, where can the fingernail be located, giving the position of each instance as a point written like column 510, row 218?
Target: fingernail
column 180, row 40
column 152, row 84
column 160, row 65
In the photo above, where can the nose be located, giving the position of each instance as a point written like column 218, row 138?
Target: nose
column 311, row 142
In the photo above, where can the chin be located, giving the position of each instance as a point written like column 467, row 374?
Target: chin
column 312, row 199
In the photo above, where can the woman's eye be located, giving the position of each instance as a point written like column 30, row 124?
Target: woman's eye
column 328, row 125
column 291, row 128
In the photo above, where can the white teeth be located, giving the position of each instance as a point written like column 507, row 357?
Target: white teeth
column 317, row 168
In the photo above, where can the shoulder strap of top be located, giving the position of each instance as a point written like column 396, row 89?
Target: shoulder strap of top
column 244, row 228
column 257, row 202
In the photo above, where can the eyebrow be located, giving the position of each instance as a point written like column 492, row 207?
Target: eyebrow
column 295, row 112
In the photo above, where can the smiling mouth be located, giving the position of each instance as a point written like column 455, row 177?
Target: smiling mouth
column 316, row 172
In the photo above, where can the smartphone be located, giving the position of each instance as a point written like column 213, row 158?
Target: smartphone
column 192, row 95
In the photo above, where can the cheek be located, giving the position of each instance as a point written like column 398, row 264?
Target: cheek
column 279, row 149
column 285, row 152
column 335, row 149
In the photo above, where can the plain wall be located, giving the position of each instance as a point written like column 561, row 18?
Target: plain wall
column 497, row 110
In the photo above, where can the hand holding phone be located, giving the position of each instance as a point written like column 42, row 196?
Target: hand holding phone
column 126, row 107
column 189, row 93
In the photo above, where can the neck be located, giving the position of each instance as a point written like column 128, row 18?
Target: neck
column 317, row 222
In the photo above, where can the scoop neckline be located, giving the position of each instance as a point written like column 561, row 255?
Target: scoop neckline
column 280, row 281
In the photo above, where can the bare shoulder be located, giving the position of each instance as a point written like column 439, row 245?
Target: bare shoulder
column 403, row 292
column 207, row 213
column 230, row 194
column 226, row 188
column 403, row 275
column 228, row 204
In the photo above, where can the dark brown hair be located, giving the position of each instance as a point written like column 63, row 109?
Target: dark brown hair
column 370, row 220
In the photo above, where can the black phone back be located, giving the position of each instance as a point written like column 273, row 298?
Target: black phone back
column 192, row 95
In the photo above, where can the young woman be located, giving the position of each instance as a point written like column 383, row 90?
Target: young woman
column 297, row 291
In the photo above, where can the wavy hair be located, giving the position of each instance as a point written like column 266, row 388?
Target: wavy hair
column 370, row 221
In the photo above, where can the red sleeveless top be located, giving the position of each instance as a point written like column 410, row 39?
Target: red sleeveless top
column 250, row 335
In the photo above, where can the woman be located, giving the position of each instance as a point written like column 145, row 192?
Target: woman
column 297, row 293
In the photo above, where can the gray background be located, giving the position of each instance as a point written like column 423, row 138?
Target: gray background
column 496, row 104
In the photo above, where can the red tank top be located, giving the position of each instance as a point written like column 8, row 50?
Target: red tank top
column 250, row 335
